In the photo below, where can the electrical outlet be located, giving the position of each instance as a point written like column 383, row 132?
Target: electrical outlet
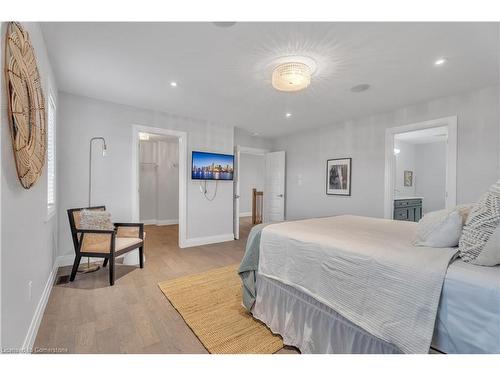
column 30, row 284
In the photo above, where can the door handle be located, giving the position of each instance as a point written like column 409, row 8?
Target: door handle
column 280, row 195
column 236, row 196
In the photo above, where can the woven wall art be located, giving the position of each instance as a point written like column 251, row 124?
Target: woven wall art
column 26, row 105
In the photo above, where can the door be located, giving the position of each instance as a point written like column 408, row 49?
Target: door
column 236, row 192
column 274, row 190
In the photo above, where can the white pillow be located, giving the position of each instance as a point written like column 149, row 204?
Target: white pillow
column 479, row 243
column 441, row 228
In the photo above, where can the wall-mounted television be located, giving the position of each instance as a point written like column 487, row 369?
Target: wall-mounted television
column 210, row 166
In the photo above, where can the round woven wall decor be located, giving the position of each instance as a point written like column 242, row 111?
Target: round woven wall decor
column 26, row 105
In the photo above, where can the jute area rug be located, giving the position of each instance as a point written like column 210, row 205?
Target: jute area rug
column 210, row 304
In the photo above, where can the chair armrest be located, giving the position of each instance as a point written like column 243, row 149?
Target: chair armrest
column 110, row 233
column 137, row 225
column 96, row 231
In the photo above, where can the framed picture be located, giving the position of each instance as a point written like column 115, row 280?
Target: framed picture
column 408, row 178
column 338, row 176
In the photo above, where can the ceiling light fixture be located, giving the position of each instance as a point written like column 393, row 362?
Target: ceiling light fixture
column 396, row 151
column 173, row 84
column 288, row 114
column 291, row 76
column 440, row 61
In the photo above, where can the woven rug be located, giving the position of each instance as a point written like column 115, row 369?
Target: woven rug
column 210, row 304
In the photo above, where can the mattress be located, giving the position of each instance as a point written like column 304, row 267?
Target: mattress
column 468, row 319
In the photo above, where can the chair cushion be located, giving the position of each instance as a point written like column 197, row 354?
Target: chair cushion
column 103, row 246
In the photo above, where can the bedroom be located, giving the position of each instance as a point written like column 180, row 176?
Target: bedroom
column 141, row 215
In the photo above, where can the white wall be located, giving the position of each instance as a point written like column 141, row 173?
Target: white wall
column 82, row 118
column 364, row 140
column 247, row 139
column 159, row 181
column 405, row 161
column 28, row 241
column 252, row 175
column 430, row 175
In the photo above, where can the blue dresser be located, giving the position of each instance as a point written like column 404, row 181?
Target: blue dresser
column 408, row 209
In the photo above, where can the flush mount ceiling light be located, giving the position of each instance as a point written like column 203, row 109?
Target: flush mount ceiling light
column 292, row 76
column 293, row 73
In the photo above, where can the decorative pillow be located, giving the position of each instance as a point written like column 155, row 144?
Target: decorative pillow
column 479, row 240
column 94, row 219
column 441, row 228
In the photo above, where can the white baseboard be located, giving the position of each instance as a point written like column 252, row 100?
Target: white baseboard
column 29, row 340
column 167, row 222
column 199, row 241
column 161, row 222
column 245, row 214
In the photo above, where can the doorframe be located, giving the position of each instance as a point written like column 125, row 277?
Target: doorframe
column 451, row 159
column 182, row 136
column 238, row 150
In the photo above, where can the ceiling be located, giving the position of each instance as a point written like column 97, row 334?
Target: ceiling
column 431, row 135
column 224, row 73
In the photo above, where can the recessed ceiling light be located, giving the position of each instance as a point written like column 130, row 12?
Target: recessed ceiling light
column 255, row 134
column 440, row 61
column 360, row 88
column 288, row 114
column 173, row 84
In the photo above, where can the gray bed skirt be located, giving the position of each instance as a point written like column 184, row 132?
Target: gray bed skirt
column 309, row 325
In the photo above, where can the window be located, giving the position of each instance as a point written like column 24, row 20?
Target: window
column 51, row 157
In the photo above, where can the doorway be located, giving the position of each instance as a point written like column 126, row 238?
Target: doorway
column 159, row 160
column 158, row 179
column 421, row 166
column 267, row 171
column 250, row 164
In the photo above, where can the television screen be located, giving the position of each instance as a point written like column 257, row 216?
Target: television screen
column 209, row 166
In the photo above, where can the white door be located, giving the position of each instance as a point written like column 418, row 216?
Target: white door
column 274, row 190
column 236, row 189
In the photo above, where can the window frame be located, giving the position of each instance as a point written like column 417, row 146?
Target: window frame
column 51, row 132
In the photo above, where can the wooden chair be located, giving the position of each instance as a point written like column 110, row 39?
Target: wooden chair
column 257, row 206
column 107, row 244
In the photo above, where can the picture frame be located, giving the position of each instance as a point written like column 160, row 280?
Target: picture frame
column 338, row 176
column 408, row 178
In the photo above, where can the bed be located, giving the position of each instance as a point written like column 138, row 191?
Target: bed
column 453, row 306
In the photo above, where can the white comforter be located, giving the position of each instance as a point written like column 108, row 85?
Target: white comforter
column 366, row 269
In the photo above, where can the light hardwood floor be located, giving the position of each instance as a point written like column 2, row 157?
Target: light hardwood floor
column 133, row 316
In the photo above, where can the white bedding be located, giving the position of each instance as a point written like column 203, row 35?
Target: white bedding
column 366, row 269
